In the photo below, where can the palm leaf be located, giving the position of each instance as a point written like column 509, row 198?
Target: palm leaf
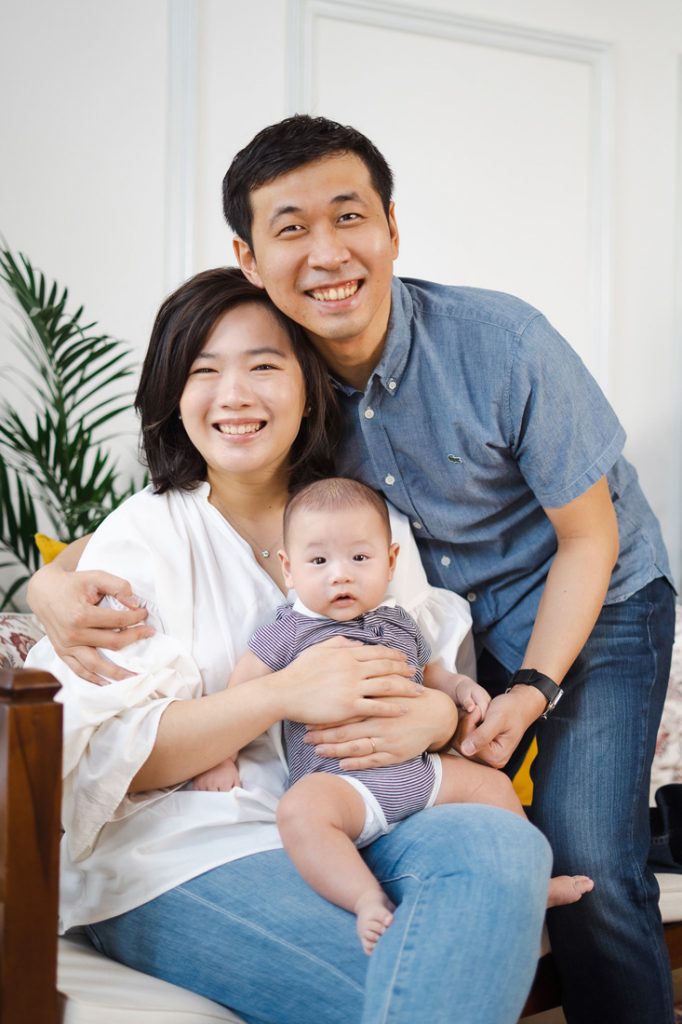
column 70, row 384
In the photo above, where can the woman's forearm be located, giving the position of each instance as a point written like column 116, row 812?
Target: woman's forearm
column 195, row 735
column 331, row 682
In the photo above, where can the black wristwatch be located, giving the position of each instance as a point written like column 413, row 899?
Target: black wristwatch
column 547, row 687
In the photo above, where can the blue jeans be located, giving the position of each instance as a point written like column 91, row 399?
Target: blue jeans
column 470, row 884
column 591, row 799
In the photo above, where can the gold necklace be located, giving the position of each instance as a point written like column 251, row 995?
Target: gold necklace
column 258, row 549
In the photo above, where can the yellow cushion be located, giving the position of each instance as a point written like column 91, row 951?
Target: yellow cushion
column 523, row 784
column 48, row 547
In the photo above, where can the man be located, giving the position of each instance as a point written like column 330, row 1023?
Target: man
column 469, row 412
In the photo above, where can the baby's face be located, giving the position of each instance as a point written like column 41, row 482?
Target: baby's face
column 339, row 562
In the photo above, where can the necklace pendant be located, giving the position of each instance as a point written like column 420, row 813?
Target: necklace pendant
column 265, row 553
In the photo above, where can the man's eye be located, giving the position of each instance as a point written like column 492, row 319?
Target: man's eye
column 291, row 229
column 319, row 560
column 347, row 218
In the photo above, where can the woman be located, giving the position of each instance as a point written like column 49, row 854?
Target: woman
column 193, row 886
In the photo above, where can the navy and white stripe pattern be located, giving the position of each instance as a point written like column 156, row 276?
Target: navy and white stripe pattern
column 401, row 789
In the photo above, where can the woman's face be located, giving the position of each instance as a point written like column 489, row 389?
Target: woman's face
column 244, row 397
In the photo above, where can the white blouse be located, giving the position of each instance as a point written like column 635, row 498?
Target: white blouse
column 205, row 594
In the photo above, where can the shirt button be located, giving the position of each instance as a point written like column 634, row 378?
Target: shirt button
column 392, row 384
column 416, row 525
column 471, row 597
column 390, row 480
column 369, row 414
column 445, row 560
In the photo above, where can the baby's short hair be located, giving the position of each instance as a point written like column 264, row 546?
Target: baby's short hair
column 332, row 494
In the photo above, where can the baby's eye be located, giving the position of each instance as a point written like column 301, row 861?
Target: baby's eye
column 360, row 558
column 319, row 560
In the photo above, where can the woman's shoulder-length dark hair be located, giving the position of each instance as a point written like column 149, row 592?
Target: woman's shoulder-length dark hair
column 180, row 330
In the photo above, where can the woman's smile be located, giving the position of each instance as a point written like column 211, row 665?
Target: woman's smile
column 245, row 396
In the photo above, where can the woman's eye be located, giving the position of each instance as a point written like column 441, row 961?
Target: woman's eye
column 201, row 370
column 265, row 366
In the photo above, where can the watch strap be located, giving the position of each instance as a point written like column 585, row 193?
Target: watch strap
column 550, row 690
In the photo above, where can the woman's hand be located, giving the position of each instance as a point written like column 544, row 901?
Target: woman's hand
column 67, row 605
column 341, row 679
column 426, row 724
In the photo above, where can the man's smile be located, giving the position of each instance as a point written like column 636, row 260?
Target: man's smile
column 334, row 293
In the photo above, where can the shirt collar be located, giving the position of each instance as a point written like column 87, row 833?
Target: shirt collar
column 298, row 606
column 390, row 367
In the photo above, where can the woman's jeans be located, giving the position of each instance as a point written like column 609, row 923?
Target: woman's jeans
column 591, row 800
column 470, row 884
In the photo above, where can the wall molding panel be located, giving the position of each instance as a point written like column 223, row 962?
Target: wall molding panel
column 305, row 16
column 182, row 142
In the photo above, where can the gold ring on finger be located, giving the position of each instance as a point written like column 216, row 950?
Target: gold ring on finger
column 374, row 749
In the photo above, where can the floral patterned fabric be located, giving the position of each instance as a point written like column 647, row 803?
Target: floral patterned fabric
column 18, row 634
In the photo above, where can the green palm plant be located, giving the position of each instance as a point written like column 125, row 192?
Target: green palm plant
column 53, row 463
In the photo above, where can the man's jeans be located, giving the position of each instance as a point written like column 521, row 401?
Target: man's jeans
column 591, row 799
column 470, row 884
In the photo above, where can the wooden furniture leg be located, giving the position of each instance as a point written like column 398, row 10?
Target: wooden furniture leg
column 30, row 802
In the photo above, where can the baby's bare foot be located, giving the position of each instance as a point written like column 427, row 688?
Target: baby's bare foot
column 568, row 889
column 374, row 914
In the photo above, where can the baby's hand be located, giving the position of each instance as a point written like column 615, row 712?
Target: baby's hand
column 221, row 779
column 471, row 697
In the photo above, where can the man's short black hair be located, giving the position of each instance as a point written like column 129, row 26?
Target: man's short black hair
column 292, row 143
column 180, row 331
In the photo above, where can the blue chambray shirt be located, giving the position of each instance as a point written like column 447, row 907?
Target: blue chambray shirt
column 478, row 415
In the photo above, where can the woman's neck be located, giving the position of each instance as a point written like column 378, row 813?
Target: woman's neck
column 251, row 500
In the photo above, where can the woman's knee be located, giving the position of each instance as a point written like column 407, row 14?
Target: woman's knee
column 463, row 839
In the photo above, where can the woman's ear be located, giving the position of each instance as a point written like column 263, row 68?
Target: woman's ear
column 247, row 262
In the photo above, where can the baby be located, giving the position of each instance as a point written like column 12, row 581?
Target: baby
column 339, row 558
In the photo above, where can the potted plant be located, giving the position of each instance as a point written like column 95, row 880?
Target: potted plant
column 56, row 472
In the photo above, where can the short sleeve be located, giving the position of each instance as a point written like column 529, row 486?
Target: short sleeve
column 274, row 643
column 564, row 434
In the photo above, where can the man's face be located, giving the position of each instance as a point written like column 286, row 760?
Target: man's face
column 323, row 250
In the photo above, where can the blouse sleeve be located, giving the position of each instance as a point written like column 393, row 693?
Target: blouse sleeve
column 442, row 616
column 109, row 731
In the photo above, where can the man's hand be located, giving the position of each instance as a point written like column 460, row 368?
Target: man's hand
column 507, row 718
column 67, row 605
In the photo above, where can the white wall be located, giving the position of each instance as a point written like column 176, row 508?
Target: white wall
column 536, row 147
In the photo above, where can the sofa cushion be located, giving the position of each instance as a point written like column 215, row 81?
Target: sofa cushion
column 96, row 990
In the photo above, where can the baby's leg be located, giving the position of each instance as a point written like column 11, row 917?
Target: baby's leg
column 318, row 819
column 466, row 782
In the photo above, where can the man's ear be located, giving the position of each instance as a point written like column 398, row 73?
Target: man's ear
column 247, row 261
column 286, row 568
column 393, row 229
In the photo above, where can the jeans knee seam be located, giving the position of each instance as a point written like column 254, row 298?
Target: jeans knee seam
column 397, row 963
column 244, row 921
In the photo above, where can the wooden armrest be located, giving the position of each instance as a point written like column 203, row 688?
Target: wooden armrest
column 30, row 807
